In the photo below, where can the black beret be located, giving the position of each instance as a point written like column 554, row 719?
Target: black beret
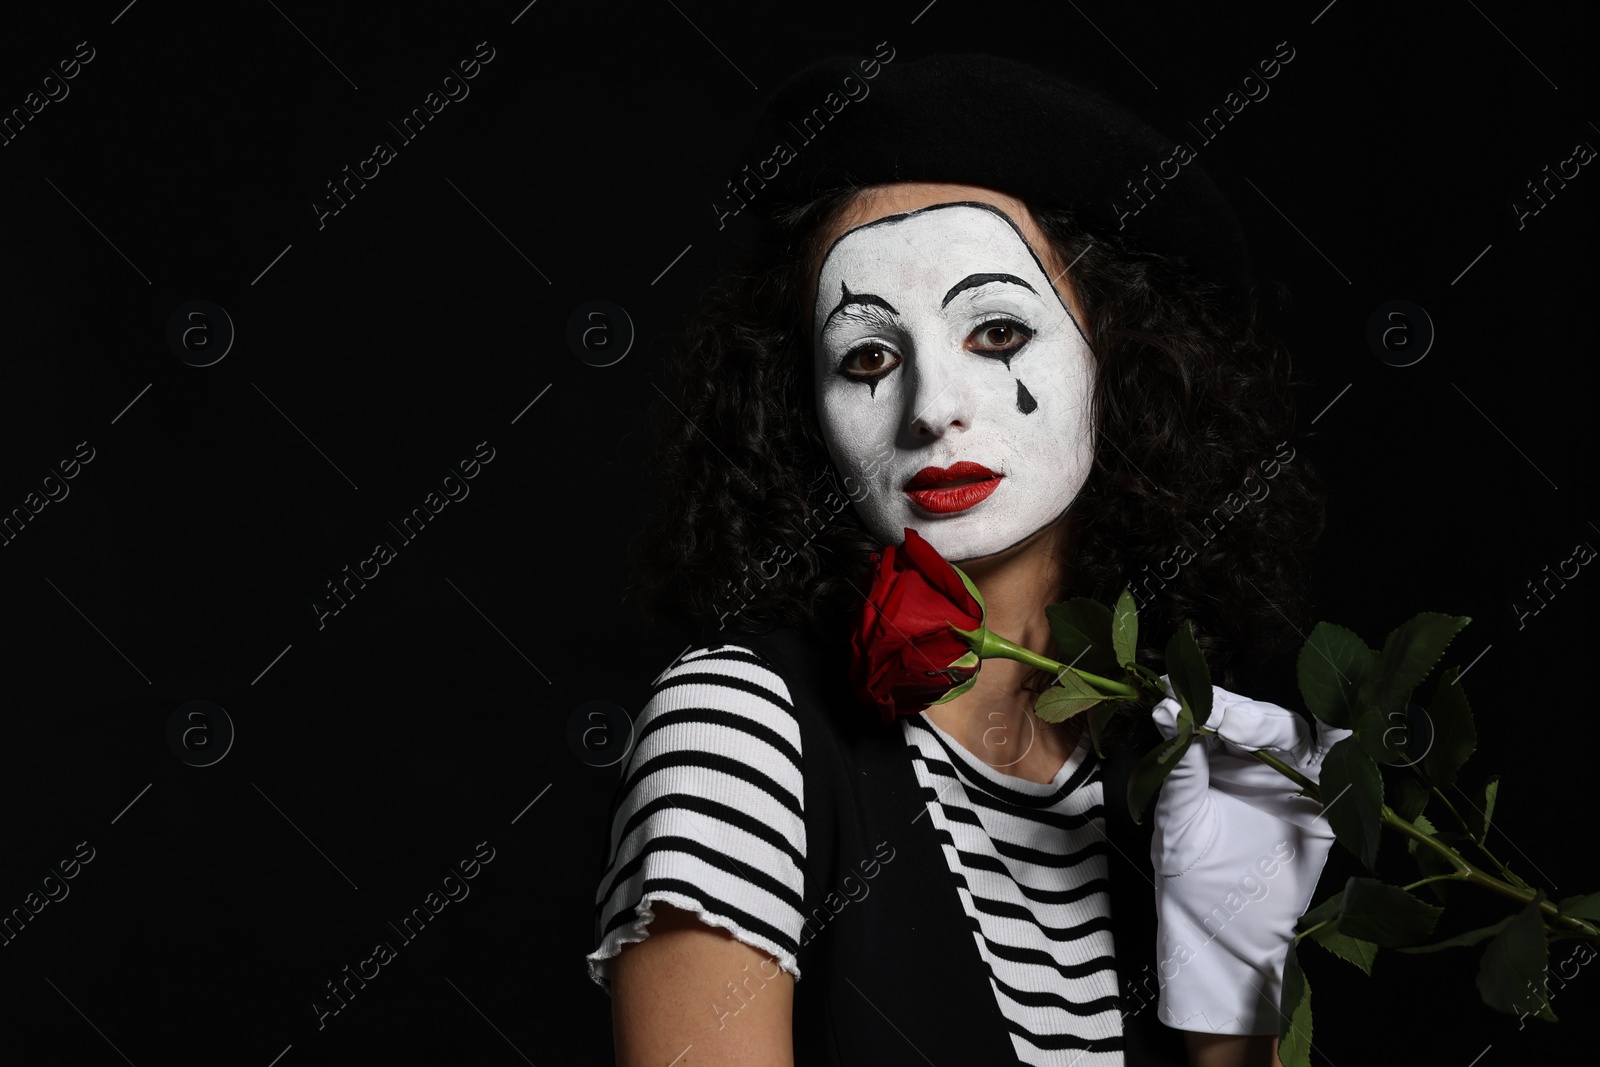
column 1002, row 124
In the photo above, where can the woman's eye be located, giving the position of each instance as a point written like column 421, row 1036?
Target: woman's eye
column 869, row 361
column 999, row 336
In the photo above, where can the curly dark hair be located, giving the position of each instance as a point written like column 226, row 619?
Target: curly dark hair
column 1191, row 404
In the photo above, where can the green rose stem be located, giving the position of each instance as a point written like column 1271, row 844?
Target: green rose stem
column 990, row 645
column 1465, row 871
column 1451, row 808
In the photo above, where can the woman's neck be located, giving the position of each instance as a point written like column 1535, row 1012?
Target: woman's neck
column 994, row 720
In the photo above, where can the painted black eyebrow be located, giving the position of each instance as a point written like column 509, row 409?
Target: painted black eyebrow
column 972, row 281
column 980, row 205
column 847, row 298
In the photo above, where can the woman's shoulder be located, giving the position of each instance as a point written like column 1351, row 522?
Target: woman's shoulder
column 739, row 664
column 720, row 717
column 730, row 683
column 776, row 702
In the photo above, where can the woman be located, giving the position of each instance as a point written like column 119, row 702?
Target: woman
column 957, row 319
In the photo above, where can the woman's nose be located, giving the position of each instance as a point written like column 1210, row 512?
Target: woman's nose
column 940, row 398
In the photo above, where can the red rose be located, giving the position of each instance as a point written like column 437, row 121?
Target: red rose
column 904, row 656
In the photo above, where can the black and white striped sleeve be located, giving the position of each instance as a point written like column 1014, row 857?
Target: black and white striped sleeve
column 709, row 814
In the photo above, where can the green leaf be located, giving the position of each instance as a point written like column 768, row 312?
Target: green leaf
column 1075, row 649
column 983, row 610
column 969, row 660
column 1352, row 798
column 1152, row 680
column 1066, row 698
column 1361, row 953
column 1186, row 668
column 1511, row 975
column 1471, row 937
column 1082, row 629
column 1386, row 915
column 1099, row 715
column 1408, row 654
column 1454, row 736
column 1328, row 909
column 1410, row 797
column 957, row 691
column 1153, row 769
column 1352, row 949
column 1480, row 810
column 1077, row 685
column 1587, row 907
column 1383, row 729
column 1125, row 629
column 1408, row 735
column 1421, row 823
column 1294, row 1008
column 1331, row 667
column 1491, row 790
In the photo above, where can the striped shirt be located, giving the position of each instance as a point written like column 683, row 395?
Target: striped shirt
column 1030, row 861
column 710, row 819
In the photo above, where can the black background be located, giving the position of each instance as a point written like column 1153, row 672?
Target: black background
column 379, row 749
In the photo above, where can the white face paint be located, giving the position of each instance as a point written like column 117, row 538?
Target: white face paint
column 940, row 340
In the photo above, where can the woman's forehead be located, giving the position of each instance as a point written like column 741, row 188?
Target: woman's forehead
column 929, row 246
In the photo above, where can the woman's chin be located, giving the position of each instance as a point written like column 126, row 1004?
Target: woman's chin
column 972, row 545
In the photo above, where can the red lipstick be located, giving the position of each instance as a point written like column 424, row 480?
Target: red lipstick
column 946, row 490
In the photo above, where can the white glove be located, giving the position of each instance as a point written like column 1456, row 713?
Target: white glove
column 1237, row 854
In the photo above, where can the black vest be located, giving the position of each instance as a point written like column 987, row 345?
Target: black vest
column 890, row 971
